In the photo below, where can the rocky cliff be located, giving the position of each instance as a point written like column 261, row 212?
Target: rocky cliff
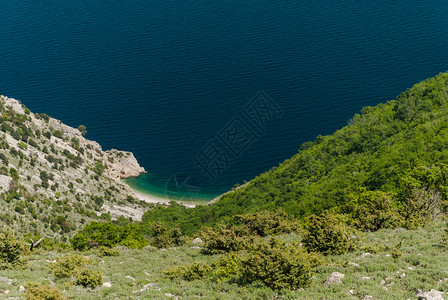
column 52, row 177
column 121, row 164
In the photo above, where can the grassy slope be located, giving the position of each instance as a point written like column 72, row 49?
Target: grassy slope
column 424, row 263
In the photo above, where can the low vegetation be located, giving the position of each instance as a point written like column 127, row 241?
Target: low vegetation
column 37, row 291
column 387, row 264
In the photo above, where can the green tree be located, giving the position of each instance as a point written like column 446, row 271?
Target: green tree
column 11, row 250
column 82, row 129
column 58, row 134
column 326, row 235
column 99, row 168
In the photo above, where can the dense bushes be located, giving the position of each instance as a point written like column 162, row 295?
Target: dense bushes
column 373, row 210
column 190, row 272
column 75, row 266
column 274, row 263
column 326, row 235
column 420, row 207
column 68, row 265
column 224, row 239
column 89, row 278
column 249, row 259
column 36, row 291
column 109, row 234
column 11, row 250
column 279, row 265
column 163, row 237
column 98, row 234
column 176, row 215
column 268, row 223
column 105, row 251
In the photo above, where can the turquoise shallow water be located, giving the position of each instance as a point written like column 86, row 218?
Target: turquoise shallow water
column 172, row 81
column 179, row 187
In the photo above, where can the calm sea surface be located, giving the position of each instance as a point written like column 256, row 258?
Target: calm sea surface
column 174, row 81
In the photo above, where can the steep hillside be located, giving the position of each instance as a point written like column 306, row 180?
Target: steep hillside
column 398, row 149
column 53, row 178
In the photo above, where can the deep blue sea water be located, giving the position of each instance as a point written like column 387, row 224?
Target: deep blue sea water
column 168, row 80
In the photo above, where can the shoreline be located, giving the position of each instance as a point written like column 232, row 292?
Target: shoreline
column 154, row 199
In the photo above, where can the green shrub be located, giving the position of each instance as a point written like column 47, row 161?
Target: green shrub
column 191, row 272
column 177, row 239
column 163, row 237
column 82, row 129
column 58, row 134
column 67, row 266
column 374, row 248
column 131, row 237
column 11, row 250
column 133, row 243
column 396, row 254
column 33, row 143
column 14, row 174
column 445, row 236
column 97, row 234
column 75, row 143
column 224, row 239
column 22, row 145
column 373, row 210
column 89, row 278
column 4, row 159
column 79, row 242
column 43, row 116
column 108, row 234
column 104, row 251
column 98, row 168
column 36, row 291
column 422, row 206
column 326, row 235
column 160, row 235
column 228, row 266
column 276, row 264
column 268, row 223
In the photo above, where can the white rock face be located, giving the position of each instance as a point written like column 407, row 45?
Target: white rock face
column 121, row 164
